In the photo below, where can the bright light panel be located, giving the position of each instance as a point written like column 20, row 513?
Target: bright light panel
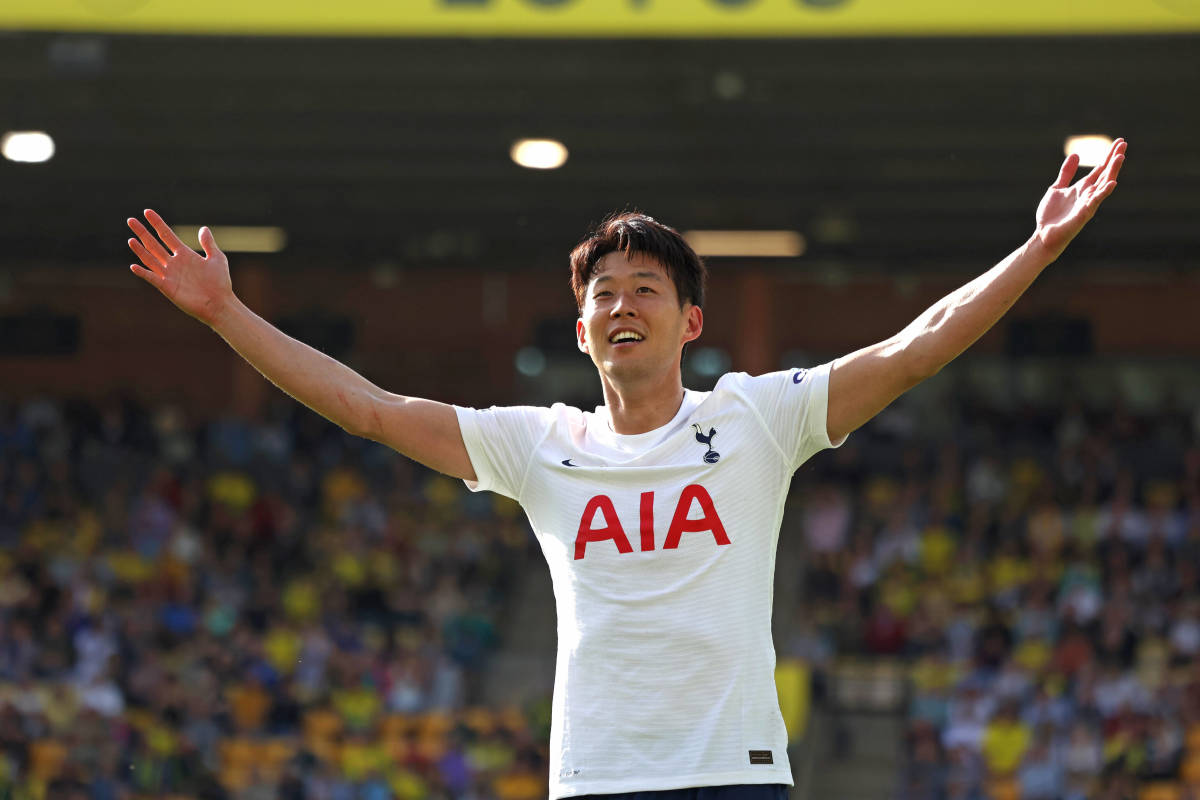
column 236, row 238
column 30, row 147
column 539, row 153
column 1090, row 149
column 756, row 244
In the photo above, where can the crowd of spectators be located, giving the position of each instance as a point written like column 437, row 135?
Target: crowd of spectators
column 1034, row 572
column 233, row 608
column 238, row 608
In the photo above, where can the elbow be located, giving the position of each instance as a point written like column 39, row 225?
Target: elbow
column 929, row 371
column 911, row 359
column 369, row 423
column 361, row 416
column 346, row 415
column 922, row 360
column 378, row 416
column 923, row 368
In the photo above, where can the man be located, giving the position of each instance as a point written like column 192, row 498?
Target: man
column 659, row 513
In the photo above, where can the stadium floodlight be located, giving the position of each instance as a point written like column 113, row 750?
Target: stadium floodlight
column 29, row 147
column 539, row 153
column 237, row 238
column 710, row 362
column 530, row 361
column 747, row 244
column 1091, row 149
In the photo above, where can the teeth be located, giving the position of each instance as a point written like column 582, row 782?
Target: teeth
column 626, row 336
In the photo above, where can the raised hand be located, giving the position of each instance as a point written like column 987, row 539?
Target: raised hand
column 198, row 285
column 1065, row 209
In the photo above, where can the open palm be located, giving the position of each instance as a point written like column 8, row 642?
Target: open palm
column 1066, row 208
column 198, row 285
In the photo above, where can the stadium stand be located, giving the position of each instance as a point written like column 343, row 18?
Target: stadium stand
column 229, row 608
column 271, row 608
column 1029, row 577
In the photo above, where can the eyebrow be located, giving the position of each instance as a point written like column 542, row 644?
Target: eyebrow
column 647, row 274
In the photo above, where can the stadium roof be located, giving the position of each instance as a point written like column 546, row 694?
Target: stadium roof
column 899, row 153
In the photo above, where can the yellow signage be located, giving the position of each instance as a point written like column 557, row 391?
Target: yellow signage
column 691, row 18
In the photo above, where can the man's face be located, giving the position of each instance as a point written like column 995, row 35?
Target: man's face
column 631, row 323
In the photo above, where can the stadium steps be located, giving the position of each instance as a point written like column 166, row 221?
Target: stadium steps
column 523, row 668
column 868, row 768
column 789, row 577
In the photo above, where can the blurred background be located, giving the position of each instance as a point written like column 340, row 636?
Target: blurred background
column 207, row 591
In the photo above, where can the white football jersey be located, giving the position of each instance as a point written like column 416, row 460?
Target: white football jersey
column 661, row 547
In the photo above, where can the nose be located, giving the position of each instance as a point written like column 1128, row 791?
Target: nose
column 622, row 306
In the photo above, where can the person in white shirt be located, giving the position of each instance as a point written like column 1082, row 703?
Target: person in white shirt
column 659, row 512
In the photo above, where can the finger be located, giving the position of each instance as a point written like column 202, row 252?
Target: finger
column 164, row 230
column 209, row 243
column 1098, row 196
column 148, row 241
column 152, row 278
column 1110, row 171
column 1115, row 168
column 146, row 258
column 1066, row 172
column 1102, row 168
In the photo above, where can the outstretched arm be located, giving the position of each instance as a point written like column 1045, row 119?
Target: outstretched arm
column 863, row 383
column 423, row 430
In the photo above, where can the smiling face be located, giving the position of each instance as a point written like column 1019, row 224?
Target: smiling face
column 631, row 323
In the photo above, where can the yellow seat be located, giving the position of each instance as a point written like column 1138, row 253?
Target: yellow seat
column 321, row 730
column 1190, row 771
column 435, row 723
column 1161, row 790
column 480, row 720
column 249, row 704
column 522, row 786
column 513, row 719
column 234, row 779
column 1003, row 789
column 394, row 733
column 396, row 726
column 237, row 754
column 46, row 758
column 431, row 746
column 273, row 754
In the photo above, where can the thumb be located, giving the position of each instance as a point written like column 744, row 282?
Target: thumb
column 209, row 243
column 1066, row 172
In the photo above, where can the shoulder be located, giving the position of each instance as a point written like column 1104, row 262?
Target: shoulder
column 741, row 382
column 534, row 415
column 568, row 416
column 793, row 376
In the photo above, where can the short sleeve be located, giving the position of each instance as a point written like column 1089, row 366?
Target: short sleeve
column 500, row 442
column 794, row 406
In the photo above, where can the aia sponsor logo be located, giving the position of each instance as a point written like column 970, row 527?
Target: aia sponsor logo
column 599, row 522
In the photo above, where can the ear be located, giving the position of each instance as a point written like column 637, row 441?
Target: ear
column 695, row 324
column 581, row 336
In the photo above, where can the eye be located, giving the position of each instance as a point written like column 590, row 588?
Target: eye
column 645, row 289
column 604, row 293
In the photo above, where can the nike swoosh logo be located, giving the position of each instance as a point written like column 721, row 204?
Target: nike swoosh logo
column 567, row 463
column 799, row 376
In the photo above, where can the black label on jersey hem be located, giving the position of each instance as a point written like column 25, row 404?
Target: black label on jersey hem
column 761, row 757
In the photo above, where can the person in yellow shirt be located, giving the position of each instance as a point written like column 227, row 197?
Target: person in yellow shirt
column 1005, row 741
column 937, row 548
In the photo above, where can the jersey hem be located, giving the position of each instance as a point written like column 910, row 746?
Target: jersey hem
column 558, row 790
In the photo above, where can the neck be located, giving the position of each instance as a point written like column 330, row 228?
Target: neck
column 642, row 406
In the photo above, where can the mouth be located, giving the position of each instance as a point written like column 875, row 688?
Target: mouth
column 625, row 339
